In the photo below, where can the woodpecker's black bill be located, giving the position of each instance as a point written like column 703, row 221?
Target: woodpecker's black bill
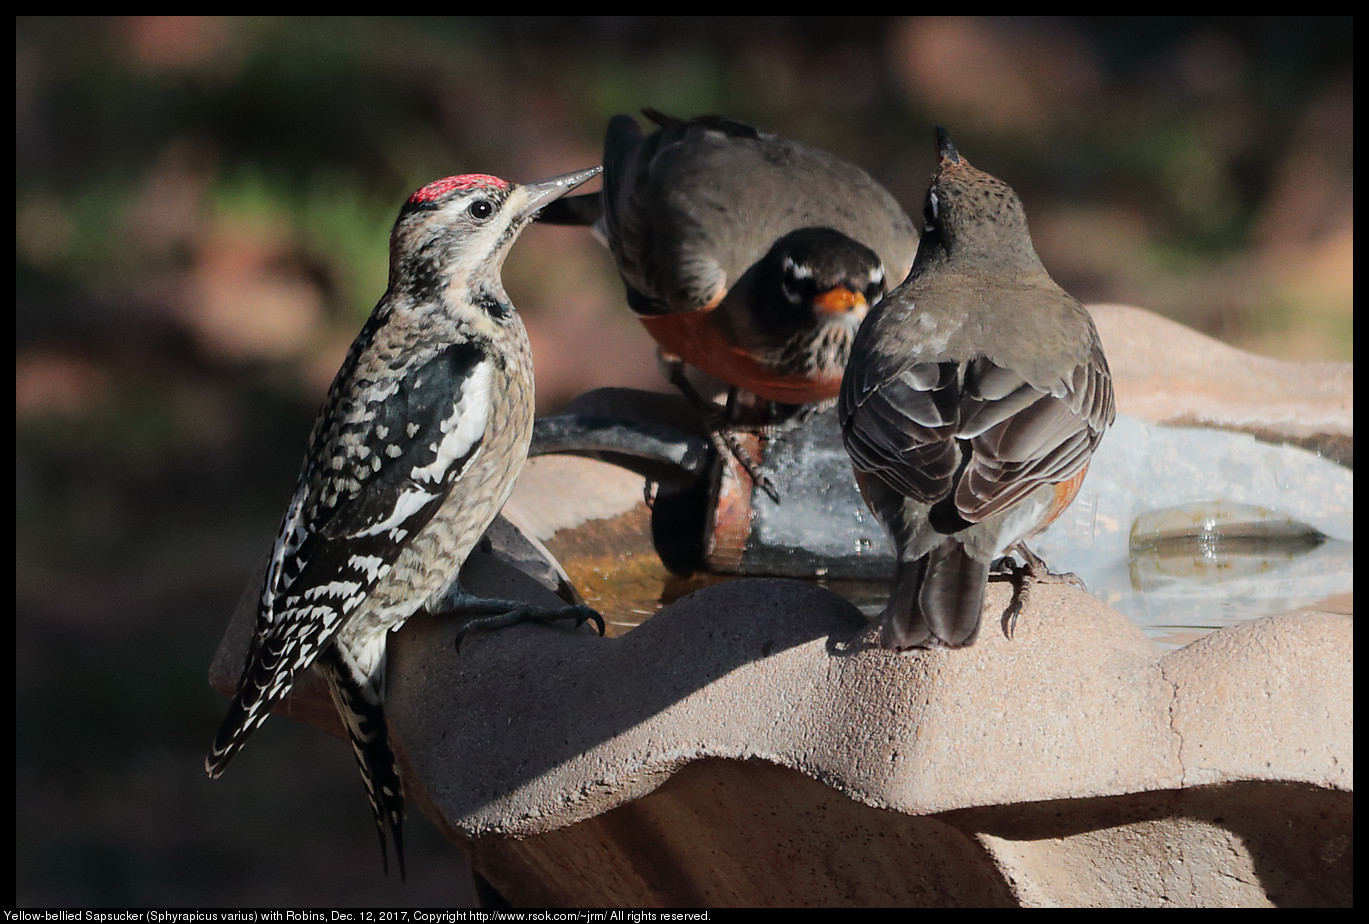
column 544, row 191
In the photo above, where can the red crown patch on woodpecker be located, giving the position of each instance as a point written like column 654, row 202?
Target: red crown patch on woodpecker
column 439, row 188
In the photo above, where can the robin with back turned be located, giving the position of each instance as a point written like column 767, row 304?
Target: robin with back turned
column 749, row 256
column 975, row 396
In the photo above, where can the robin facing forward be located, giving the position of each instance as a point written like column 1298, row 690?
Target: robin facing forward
column 744, row 254
column 976, row 394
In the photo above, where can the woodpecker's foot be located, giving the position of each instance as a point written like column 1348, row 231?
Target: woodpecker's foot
column 1032, row 571
column 507, row 613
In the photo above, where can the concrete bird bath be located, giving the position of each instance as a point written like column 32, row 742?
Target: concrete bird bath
column 738, row 741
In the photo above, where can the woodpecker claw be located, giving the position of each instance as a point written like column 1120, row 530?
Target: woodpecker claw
column 507, row 613
column 393, row 469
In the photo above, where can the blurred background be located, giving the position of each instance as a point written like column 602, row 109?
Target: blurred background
column 202, row 214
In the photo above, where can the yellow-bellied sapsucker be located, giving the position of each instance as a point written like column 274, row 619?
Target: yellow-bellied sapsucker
column 416, row 449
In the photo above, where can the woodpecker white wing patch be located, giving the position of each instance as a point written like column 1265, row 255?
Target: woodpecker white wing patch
column 464, row 427
column 410, row 503
column 383, row 457
column 418, row 437
column 437, row 380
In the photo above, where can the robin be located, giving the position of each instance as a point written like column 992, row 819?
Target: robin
column 749, row 256
column 976, row 394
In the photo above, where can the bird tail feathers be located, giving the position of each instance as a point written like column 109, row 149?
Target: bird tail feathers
column 937, row 600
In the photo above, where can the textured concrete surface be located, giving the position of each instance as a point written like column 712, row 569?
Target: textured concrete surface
column 747, row 746
column 1164, row 372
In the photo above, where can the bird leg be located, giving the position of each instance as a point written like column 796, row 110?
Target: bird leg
column 723, row 441
column 1032, row 571
column 504, row 613
column 799, row 415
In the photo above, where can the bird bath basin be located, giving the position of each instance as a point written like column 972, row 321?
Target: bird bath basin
column 738, row 741
column 1181, row 529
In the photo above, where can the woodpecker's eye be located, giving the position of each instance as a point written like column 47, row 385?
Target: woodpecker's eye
column 480, row 209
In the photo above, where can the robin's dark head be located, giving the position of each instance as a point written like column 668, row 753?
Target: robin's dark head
column 815, row 276
column 970, row 217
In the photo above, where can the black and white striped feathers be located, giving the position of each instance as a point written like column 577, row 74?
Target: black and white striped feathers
column 417, row 447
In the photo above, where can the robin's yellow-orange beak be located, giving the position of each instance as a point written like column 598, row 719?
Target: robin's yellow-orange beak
column 838, row 300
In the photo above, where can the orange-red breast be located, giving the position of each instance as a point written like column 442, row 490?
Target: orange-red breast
column 747, row 255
